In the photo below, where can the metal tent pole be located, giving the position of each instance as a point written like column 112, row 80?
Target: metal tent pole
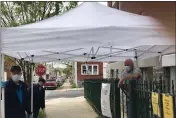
column 136, row 57
column 0, row 70
column 32, row 91
column 0, row 83
column 2, row 89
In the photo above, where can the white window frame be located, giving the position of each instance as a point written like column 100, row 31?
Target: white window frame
column 87, row 69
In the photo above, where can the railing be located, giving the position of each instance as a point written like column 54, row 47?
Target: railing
column 138, row 100
column 92, row 92
column 135, row 98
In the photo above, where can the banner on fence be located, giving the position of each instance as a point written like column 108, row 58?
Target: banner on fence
column 155, row 103
column 168, row 106
column 105, row 100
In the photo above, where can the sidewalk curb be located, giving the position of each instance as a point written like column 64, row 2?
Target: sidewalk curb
column 63, row 90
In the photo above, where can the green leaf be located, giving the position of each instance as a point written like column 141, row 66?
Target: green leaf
column 24, row 12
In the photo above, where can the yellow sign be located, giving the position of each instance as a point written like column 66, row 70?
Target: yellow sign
column 168, row 106
column 155, row 104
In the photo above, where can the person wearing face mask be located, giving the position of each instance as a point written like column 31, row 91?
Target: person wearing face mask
column 39, row 97
column 16, row 95
column 130, row 72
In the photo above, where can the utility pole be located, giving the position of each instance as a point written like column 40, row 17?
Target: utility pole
column 52, row 69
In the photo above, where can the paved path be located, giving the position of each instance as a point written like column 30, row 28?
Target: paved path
column 76, row 107
column 65, row 94
column 68, row 103
column 66, row 85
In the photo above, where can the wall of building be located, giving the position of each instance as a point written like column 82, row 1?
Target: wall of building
column 168, row 60
column 114, row 66
column 104, row 70
column 81, row 77
column 173, row 76
column 145, row 63
column 149, row 62
column 147, row 73
column 164, row 12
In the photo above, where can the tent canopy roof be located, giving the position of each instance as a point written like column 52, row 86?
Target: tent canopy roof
column 90, row 27
column 94, row 15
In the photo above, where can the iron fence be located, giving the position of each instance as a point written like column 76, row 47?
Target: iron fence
column 133, row 100
column 92, row 92
column 138, row 98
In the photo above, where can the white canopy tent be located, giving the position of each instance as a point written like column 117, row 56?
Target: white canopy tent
column 91, row 27
column 90, row 32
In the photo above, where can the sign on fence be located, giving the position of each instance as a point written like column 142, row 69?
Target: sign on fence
column 105, row 100
column 168, row 106
column 155, row 104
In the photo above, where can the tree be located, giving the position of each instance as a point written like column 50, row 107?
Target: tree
column 18, row 13
column 24, row 12
column 57, row 70
column 67, row 71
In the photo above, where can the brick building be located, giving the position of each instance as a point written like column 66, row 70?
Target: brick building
column 164, row 12
column 89, row 70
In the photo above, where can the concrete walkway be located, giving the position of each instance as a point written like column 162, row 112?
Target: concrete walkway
column 67, row 84
column 75, row 107
column 69, row 108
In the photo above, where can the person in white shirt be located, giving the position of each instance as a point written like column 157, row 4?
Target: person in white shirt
column 130, row 72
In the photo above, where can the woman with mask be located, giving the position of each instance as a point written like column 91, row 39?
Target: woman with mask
column 16, row 95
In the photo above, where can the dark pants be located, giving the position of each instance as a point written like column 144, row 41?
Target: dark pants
column 36, row 113
column 129, row 109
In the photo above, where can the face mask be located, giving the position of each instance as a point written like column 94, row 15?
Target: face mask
column 127, row 68
column 16, row 77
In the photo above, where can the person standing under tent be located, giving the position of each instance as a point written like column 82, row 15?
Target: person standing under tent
column 130, row 72
column 38, row 97
column 16, row 95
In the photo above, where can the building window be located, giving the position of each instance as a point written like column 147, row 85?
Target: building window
column 89, row 69
column 95, row 70
column 89, row 72
column 84, row 70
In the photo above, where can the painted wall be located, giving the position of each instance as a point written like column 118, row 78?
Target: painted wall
column 114, row 66
column 168, row 60
column 150, row 62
